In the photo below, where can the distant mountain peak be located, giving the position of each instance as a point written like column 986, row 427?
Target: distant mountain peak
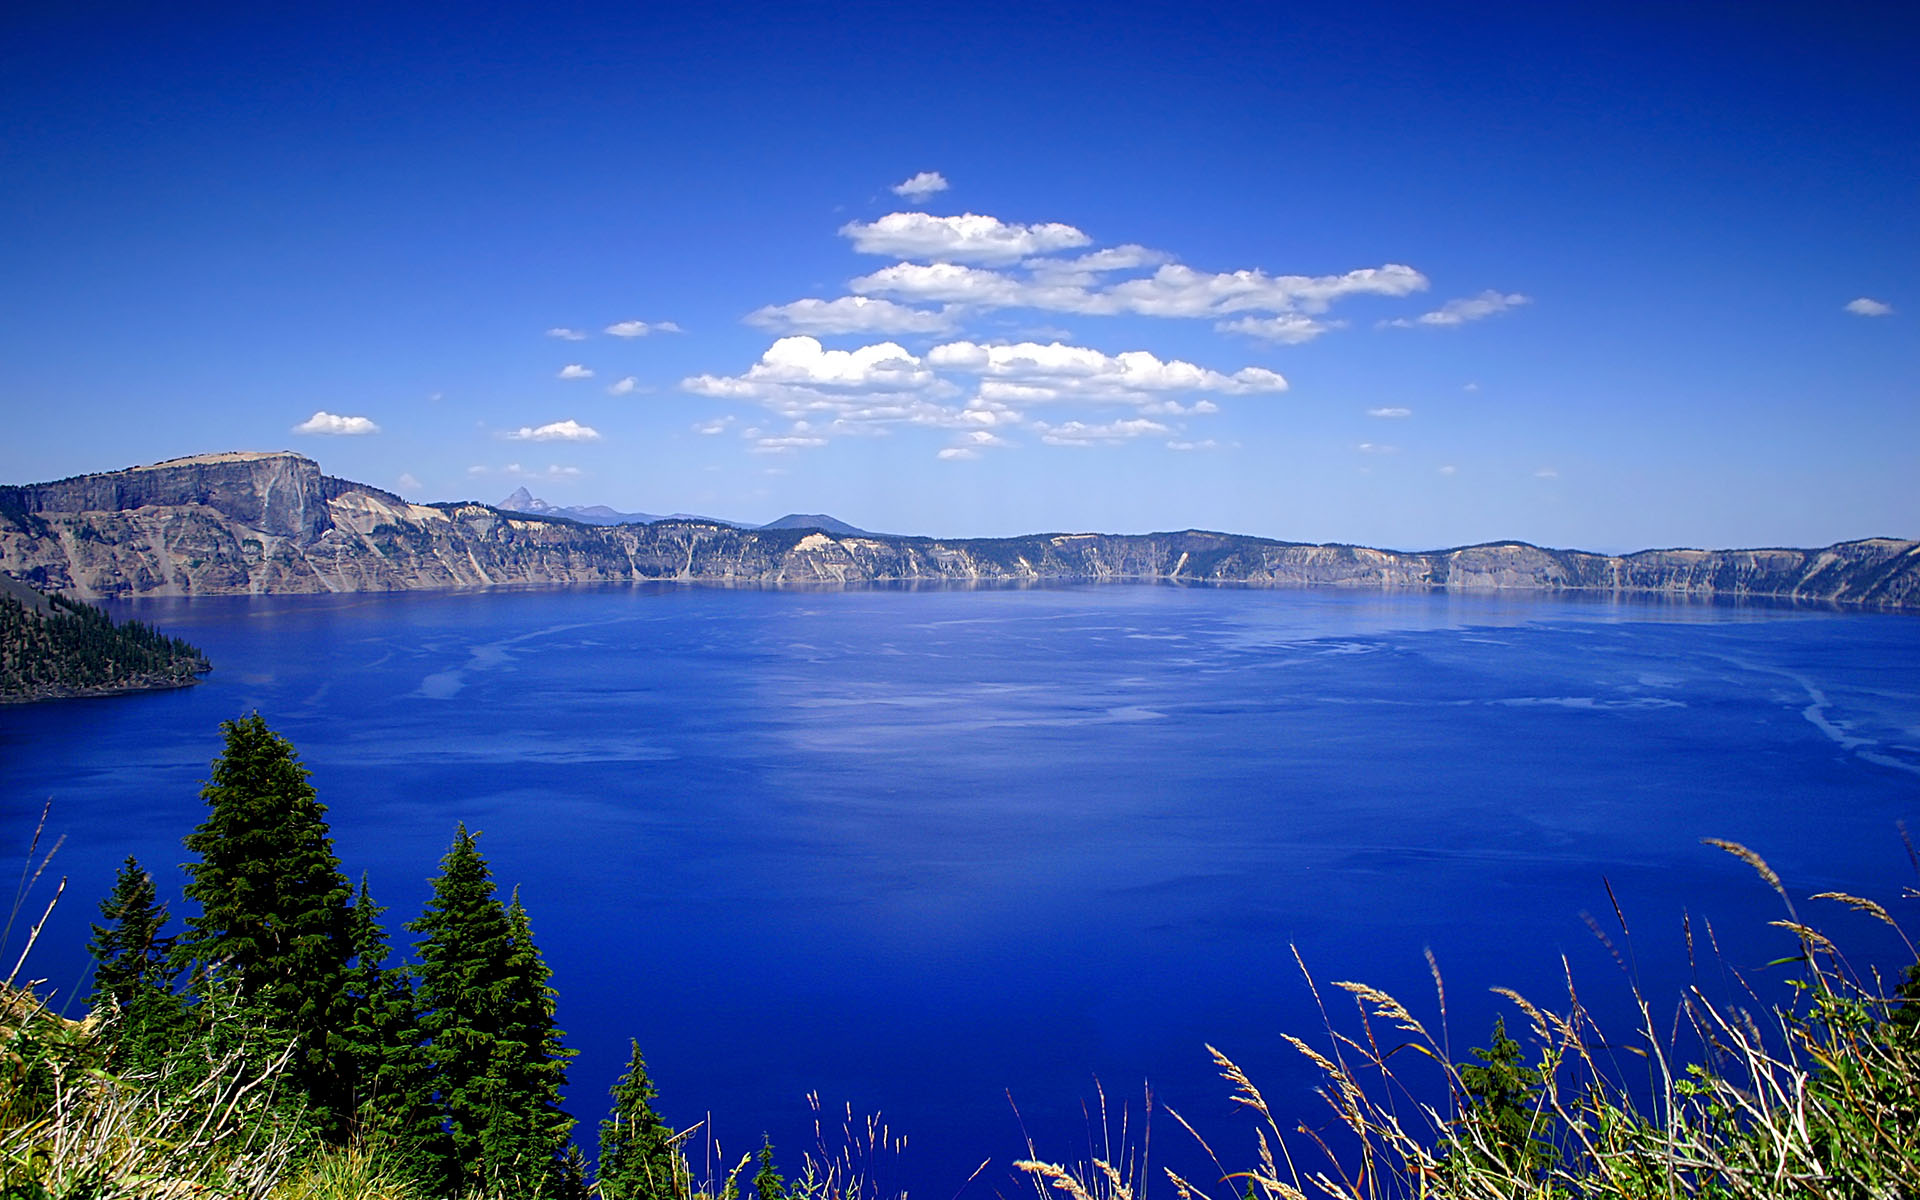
column 820, row 521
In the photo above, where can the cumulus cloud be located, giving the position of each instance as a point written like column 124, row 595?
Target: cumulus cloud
column 566, row 335
column 1055, row 370
column 803, row 360
column 969, row 237
column 1390, row 413
column 408, row 481
column 1080, row 433
column 972, row 444
column 574, row 371
column 1868, row 307
column 849, row 314
column 1173, row 290
column 1208, row 444
column 331, row 424
column 1180, row 291
column 635, row 329
column 1289, row 329
column 786, row 443
column 875, row 388
column 558, row 431
column 553, row 474
column 710, row 428
column 624, row 387
column 1473, row 308
column 917, row 188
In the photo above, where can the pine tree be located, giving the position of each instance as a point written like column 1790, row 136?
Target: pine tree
column 637, row 1156
column 487, row 1012
column 1501, row 1108
column 274, row 919
column 393, row 1083
column 767, row 1183
column 129, row 953
column 132, row 977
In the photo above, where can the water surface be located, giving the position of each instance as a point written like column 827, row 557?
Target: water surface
column 912, row 850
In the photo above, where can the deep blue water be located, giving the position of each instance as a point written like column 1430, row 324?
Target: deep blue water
column 912, row 850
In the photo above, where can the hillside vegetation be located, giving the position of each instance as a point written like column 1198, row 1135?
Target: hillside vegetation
column 268, row 1049
column 52, row 647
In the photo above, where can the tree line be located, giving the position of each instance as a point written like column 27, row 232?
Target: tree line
column 73, row 647
column 449, row 1062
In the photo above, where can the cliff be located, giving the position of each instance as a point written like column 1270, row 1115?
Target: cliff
column 239, row 523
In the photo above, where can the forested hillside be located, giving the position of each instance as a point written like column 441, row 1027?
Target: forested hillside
column 51, row 647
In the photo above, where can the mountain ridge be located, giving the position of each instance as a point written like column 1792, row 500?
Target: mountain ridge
column 241, row 523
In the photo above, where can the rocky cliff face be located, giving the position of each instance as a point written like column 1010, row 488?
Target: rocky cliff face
column 225, row 524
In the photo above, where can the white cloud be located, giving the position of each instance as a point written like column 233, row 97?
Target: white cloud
column 1390, row 413
column 709, row 428
column 1546, row 473
column 1056, row 370
column 408, row 482
column 1180, row 291
column 1459, row 312
column 558, row 431
column 918, row 187
column 635, row 329
column 1867, row 307
column 786, row 443
column 566, row 335
column 574, row 371
column 972, row 444
column 1172, row 290
column 324, row 422
column 1375, row 448
column 624, row 387
column 1289, row 329
column 849, row 314
column 950, row 283
column 1449, row 469
column 1208, row 444
column 476, row 470
column 1080, row 433
column 1470, row 387
column 553, row 474
column 802, row 360
column 970, row 237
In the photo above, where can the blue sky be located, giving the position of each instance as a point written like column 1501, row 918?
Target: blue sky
column 1403, row 275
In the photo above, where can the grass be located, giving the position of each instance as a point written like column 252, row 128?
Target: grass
column 1818, row 1097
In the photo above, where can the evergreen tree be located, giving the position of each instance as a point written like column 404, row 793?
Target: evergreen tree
column 131, row 976
column 487, row 1012
column 393, row 1083
column 129, row 953
column 637, row 1156
column 767, row 1184
column 274, row 920
column 1500, row 1107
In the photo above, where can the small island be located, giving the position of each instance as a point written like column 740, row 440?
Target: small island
column 53, row 648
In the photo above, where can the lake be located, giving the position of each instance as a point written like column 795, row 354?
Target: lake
column 919, row 850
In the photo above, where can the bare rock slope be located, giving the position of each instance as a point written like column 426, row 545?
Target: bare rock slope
column 239, row 523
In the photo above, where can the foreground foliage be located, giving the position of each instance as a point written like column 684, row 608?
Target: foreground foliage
column 1817, row 1097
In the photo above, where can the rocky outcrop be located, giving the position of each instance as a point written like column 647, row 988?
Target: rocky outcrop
column 225, row 524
